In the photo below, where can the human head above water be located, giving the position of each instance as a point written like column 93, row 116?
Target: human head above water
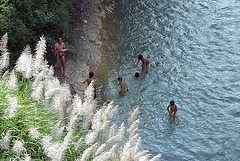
column 171, row 102
column 140, row 57
column 119, row 78
column 137, row 75
column 91, row 74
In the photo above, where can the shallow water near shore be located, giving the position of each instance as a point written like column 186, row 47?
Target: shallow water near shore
column 193, row 48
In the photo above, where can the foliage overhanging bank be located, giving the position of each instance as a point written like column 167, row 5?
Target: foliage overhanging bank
column 26, row 20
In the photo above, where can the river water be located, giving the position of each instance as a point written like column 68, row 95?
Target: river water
column 194, row 51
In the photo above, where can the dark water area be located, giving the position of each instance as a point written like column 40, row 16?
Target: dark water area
column 194, row 51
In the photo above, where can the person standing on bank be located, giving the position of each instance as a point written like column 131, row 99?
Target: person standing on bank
column 61, row 55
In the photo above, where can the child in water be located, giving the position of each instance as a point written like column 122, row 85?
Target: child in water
column 137, row 75
column 123, row 85
column 145, row 63
column 173, row 109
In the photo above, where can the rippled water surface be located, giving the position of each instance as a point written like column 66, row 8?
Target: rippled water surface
column 194, row 51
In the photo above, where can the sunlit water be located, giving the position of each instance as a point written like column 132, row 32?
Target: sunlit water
column 194, row 52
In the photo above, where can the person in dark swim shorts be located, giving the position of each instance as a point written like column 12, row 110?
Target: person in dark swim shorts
column 145, row 63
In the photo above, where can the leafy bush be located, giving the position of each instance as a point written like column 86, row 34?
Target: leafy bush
column 26, row 20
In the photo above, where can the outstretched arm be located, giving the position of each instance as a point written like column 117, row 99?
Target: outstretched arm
column 84, row 81
column 137, row 63
column 168, row 108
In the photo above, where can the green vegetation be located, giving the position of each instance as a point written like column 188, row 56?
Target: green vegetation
column 26, row 20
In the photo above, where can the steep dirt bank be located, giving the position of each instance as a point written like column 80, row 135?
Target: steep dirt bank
column 84, row 36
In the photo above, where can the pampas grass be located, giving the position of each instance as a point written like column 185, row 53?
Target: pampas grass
column 12, row 82
column 5, row 140
column 24, row 63
column 45, row 118
column 4, row 59
column 18, row 147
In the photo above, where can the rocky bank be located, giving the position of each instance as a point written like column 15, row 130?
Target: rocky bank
column 85, row 37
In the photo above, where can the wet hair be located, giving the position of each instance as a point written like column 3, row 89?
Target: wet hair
column 140, row 57
column 119, row 78
column 91, row 74
column 171, row 102
column 59, row 39
column 137, row 75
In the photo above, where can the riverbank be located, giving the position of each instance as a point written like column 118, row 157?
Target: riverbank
column 84, row 35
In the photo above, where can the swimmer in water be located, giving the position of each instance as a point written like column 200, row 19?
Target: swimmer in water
column 123, row 85
column 145, row 63
column 172, row 109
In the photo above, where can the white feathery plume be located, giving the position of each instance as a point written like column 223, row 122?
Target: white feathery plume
column 134, row 115
column 56, row 151
column 38, row 79
column 113, row 112
column 18, row 147
column 57, row 131
column 113, row 150
column 86, row 154
column 126, row 153
column 134, row 139
column 89, row 92
column 95, row 146
column 50, row 74
column 112, row 140
column 10, row 112
column 46, row 142
column 133, row 133
column 27, row 158
column 6, row 140
column 76, row 111
column 133, row 126
column 103, row 156
column 121, row 131
column 33, row 132
column 91, row 137
column 12, row 82
column 65, row 144
column 140, row 154
column 79, row 143
column 39, row 55
column 137, row 146
column 97, row 120
column 5, row 75
column 101, row 149
column 4, row 42
column 4, row 59
column 113, row 130
column 105, row 126
column 65, row 92
column 37, row 92
column 89, row 104
column 24, row 63
column 144, row 158
column 107, row 111
column 156, row 158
